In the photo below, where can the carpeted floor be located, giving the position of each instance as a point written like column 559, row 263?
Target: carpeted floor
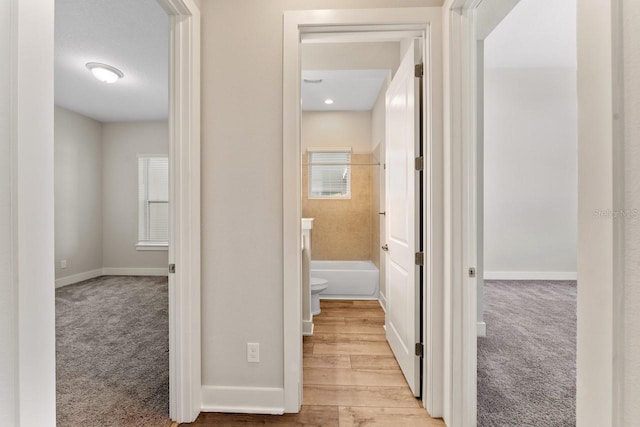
column 526, row 364
column 112, row 351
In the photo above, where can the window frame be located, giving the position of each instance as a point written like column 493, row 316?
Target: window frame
column 310, row 165
column 150, row 245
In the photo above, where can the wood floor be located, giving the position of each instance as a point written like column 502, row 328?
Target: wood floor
column 350, row 376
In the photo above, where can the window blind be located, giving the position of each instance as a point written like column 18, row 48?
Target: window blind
column 153, row 199
column 330, row 174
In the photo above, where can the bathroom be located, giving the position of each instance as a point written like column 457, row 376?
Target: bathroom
column 342, row 150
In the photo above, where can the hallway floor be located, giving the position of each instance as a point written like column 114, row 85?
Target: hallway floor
column 350, row 376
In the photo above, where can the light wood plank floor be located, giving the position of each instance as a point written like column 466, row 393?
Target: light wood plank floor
column 350, row 376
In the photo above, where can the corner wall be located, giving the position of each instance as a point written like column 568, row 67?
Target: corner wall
column 78, row 193
column 96, row 196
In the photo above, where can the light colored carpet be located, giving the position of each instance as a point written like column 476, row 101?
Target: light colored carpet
column 112, row 351
column 527, row 362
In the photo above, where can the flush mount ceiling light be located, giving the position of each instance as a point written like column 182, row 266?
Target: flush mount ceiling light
column 328, row 101
column 105, row 73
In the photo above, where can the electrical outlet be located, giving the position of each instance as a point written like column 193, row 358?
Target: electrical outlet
column 253, row 352
column 63, row 263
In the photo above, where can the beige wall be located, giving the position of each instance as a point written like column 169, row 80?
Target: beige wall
column 8, row 311
column 632, row 203
column 336, row 129
column 341, row 227
column 78, row 193
column 351, row 56
column 122, row 142
column 242, row 245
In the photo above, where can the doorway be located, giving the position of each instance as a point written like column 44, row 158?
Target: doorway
column 156, row 160
column 351, row 25
column 111, row 147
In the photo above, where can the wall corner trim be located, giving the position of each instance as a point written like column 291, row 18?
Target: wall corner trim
column 248, row 400
column 109, row 271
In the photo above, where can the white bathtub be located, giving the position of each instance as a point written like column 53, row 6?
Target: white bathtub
column 348, row 279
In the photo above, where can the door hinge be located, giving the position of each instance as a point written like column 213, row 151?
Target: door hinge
column 419, row 349
column 172, row 268
column 472, row 272
column 419, row 70
column 419, row 163
column 419, row 258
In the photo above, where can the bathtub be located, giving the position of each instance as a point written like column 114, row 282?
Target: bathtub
column 347, row 279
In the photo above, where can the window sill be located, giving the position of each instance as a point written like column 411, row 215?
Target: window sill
column 152, row 247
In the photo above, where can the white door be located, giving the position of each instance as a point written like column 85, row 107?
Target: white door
column 402, row 212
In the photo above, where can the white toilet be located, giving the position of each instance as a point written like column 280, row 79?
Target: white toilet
column 317, row 285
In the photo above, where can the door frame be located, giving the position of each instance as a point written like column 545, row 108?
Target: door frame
column 297, row 23
column 185, row 382
column 600, row 344
column 32, row 257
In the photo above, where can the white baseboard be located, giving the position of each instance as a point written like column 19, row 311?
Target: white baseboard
column 114, row 271
column 530, row 275
column 110, row 271
column 383, row 302
column 70, row 280
column 482, row 329
column 307, row 327
column 243, row 400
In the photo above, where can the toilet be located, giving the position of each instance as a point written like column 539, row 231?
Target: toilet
column 317, row 285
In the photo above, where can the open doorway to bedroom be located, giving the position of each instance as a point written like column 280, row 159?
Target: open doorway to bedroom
column 111, row 161
column 527, row 292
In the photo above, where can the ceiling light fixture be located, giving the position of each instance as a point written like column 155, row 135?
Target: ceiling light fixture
column 328, row 101
column 105, row 73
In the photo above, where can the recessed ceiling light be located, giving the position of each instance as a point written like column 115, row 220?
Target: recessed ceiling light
column 105, row 73
column 328, row 101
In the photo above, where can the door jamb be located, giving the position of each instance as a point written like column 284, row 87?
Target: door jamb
column 185, row 382
column 295, row 23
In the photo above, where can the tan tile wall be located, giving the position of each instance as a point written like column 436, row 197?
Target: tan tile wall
column 342, row 227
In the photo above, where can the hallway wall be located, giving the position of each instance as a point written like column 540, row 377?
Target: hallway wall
column 242, row 284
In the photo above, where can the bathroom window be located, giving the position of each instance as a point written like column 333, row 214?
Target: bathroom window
column 329, row 174
column 153, row 203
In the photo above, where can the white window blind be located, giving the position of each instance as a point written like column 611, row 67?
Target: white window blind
column 330, row 174
column 153, row 200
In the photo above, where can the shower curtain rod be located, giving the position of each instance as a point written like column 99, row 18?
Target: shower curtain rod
column 341, row 164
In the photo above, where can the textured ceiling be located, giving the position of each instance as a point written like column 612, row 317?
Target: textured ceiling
column 351, row 90
column 131, row 35
column 535, row 34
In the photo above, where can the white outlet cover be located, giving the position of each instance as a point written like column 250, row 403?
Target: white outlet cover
column 253, row 352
